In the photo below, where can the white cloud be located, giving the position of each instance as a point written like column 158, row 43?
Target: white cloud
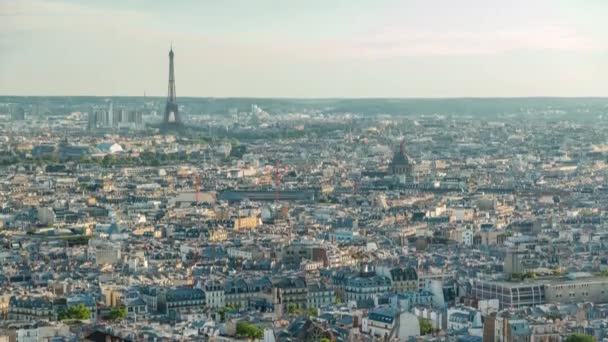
column 394, row 43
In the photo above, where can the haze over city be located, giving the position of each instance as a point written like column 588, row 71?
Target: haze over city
column 304, row 171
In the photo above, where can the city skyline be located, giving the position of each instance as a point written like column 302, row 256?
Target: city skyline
column 304, row 170
column 307, row 50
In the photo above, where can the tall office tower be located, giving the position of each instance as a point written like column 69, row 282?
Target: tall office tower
column 110, row 122
column 101, row 118
column 116, row 120
column 171, row 118
column 18, row 114
column 134, row 116
column 124, row 116
column 92, row 117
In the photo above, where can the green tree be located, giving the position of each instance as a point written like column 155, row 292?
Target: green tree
column 118, row 313
column 517, row 276
column 312, row 312
column 251, row 331
column 84, row 160
column 108, row 160
column 425, row 326
column 292, row 309
column 580, row 338
column 76, row 312
column 531, row 275
column 325, row 339
column 225, row 309
column 553, row 316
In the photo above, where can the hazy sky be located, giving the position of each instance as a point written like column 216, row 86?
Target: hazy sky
column 308, row 48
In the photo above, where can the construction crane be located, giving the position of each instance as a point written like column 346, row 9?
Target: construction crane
column 197, row 187
column 277, row 179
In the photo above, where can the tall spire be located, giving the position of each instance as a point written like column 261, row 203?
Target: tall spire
column 171, row 94
column 171, row 118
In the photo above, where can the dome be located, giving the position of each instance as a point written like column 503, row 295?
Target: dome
column 400, row 158
column 401, row 163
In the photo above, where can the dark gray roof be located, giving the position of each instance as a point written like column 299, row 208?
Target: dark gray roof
column 185, row 294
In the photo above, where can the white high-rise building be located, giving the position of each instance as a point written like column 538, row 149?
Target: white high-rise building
column 111, row 115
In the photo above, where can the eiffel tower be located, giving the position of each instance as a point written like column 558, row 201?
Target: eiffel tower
column 171, row 120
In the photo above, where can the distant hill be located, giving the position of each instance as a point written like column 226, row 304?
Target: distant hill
column 489, row 107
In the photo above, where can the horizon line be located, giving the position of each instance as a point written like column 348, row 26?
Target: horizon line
column 598, row 97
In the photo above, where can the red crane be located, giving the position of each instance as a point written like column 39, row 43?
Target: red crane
column 197, row 187
column 277, row 178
